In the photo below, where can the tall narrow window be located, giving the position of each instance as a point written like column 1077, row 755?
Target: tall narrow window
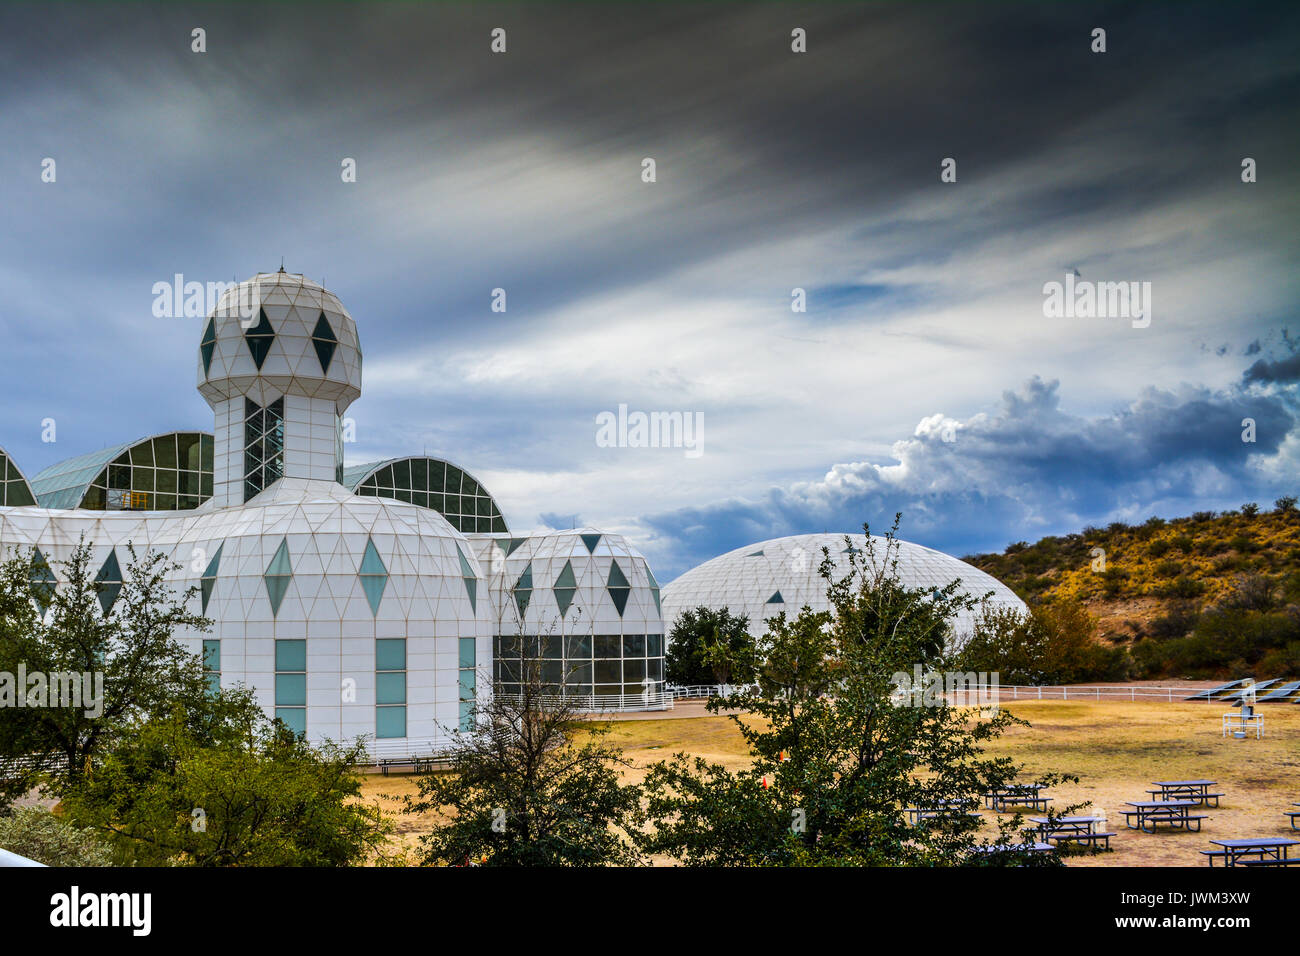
column 468, row 682
column 390, row 687
column 212, row 664
column 263, row 446
column 338, row 449
column 291, row 684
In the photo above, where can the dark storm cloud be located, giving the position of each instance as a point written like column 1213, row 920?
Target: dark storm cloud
column 1281, row 370
column 1028, row 468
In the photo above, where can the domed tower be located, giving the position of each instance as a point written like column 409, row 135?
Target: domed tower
column 279, row 363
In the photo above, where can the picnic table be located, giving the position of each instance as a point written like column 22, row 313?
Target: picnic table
column 1198, row 790
column 1072, row 829
column 1270, row 849
column 947, row 808
column 1027, row 795
column 1293, row 815
column 1176, row 813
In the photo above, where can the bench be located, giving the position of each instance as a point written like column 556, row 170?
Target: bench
column 417, row 764
column 1030, row 800
column 1092, row 839
column 1174, row 819
column 1289, row 861
column 1202, row 797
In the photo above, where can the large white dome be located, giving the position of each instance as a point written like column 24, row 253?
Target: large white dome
column 763, row 579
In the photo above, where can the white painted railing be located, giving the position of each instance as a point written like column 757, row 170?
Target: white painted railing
column 1131, row 692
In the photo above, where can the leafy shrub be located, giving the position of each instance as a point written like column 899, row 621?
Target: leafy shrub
column 36, row 833
column 1183, row 587
column 1159, row 548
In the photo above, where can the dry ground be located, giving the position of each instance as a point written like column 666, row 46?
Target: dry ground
column 1116, row 749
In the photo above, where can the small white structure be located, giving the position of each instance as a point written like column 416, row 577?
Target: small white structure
column 1239, row 723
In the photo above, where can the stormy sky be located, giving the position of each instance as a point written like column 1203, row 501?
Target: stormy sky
column 924, row 376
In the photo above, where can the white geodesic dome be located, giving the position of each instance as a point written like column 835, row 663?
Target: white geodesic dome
column 763, row 579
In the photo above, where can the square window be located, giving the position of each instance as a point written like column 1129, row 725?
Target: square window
column 295, row 718
column 291, row 655
column 654, row 645
column 290, row 690
column 390, row 654
column 609, row 672
column 577, row 647
column 390, row 722
column 390, row 688
column 609, row 645
column 578, row 672
column 634, row 645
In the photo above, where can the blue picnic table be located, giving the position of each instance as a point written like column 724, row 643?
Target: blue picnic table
column 1198, row 790
column 1274, row 849
column 1082, row 830
column 1176, row 813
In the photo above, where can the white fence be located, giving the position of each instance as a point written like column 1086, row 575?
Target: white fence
column 612, row 703
column 1133, row 692
column 1000, row 692
column 680, row 692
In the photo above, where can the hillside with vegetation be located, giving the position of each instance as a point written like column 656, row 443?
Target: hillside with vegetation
column 1209, row 595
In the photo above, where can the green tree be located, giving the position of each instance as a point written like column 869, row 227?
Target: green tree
column 708, row 646
column 221, row 785
column 132, row 648
column 1055, row 643
column 529, row 786
column 836, row 753
column 36, row 833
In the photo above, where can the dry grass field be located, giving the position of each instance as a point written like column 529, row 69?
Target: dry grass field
column 1116, row 749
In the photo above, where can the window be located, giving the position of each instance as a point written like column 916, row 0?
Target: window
column 601, row 664
column 323, row 338
column 263, row 446
column 212, row 664
column 259, row 339
column 431, row 483
column 468, row 682
column 390, row 687
column 291, row 684
column 169, row 473
column 13, row 487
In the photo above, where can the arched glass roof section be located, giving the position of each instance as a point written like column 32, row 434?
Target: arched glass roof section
column 433, row 483
column 168, row 472
column 14, row 488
